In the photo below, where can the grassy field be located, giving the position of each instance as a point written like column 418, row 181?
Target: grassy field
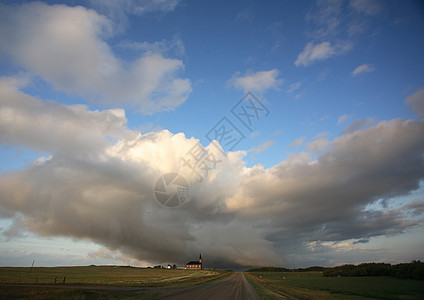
column 54, row 293
column 112, row 282
column 264, row 292
column 315, row 286
column 106, row 275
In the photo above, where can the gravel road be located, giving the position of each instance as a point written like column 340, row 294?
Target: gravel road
column 232, row 287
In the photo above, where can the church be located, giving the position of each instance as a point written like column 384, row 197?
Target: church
column 195, row 264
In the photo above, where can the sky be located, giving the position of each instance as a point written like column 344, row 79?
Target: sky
column 277, row 133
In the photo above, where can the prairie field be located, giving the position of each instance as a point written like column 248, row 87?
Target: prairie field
column 96, row 282
column 313, row 285
column 73, row 293
column 106, row 275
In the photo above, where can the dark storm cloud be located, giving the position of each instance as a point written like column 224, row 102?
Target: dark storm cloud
column 328, row 197
column 258, row 217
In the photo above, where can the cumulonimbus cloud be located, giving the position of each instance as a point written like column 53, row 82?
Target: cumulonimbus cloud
column 67, row 47
column 238, row 215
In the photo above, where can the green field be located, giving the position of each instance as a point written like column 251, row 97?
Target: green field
column 313, row 285
column 106, row 275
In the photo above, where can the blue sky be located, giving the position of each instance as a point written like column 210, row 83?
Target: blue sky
column 99, row 99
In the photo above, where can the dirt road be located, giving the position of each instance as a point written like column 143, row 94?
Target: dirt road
column 233, row 287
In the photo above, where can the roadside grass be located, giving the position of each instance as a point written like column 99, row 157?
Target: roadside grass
column 313, row 285
column 222, row 275
column 262, row 292
column 27, row 292
column 107, row 275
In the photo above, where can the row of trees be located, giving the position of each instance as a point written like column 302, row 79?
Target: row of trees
column 413, row 270
column 269, row 269
column 162, row 267
column 278, row 269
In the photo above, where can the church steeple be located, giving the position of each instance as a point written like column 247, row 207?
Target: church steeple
column 195, row 264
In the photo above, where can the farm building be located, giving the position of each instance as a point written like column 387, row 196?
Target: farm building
column 195, row 264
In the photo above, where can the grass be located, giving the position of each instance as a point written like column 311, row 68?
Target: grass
column 222, row 275
column 96, row 282
column 27, row 292
column 107, row 275
column 314, row 286
column 261, row 290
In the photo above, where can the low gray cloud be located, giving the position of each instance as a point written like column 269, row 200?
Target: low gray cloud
column 362, row 241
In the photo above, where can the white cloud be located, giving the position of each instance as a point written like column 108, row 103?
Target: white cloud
column 417, row 101
column 364, row 68
column 313, row 52
column 297, row 142
column 67, row 47
column 293, row 87
column 118, row 10
column 136, row 7
column 318, row 145
column 368, row 7
column 358, row 124
column 256, row 82
column 316, row 52
column 53, row 127
column 342, row 119
column 356, row 28
column 244, row 15
column 327, row 19
column 322, row 134
column 262, row 147
column 332, row 24
column 176, row 46
column 277, row 133
column 324, row 118
column 275, row 27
